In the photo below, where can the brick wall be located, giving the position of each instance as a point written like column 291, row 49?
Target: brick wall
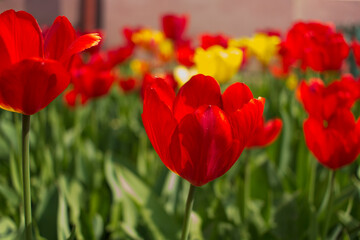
column 233, row 17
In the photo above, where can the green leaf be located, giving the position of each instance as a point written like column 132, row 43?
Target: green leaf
column 151, row 208
column 73, row 234
column 47, row 213
column 8, row 229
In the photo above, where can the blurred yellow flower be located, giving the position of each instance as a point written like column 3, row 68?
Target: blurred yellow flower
column 183, row 74
column 218, row 62
column 147, row 38
column 292, row 81
column 139, row 67
column 261, row 45
column 166, row 49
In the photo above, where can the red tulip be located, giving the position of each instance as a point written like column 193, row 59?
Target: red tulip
column 119, row 55
column 185, row 55
column 207, row 40
column 287, row 59
column 92, row 80
column 322, row 101
column 317, row 46
column 70, row 97
column 127, row 85
column 336, row 142
column 33, row 71
column 200, row 133
column 265, row 133
column 174, row 26
column 356, row 50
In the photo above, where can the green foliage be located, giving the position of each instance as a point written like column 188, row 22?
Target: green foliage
column 95, row 175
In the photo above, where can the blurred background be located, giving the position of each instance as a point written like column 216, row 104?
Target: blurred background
column 231, row 17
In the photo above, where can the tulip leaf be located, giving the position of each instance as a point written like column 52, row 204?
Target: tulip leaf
column 47, row 213
column 151, row 209
column 72, row 234
column 8, row 229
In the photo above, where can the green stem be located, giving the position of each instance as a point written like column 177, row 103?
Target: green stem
column 26, row 175
column 246, row 190
column 312, row 169
column 188, row 208
column 329, row 203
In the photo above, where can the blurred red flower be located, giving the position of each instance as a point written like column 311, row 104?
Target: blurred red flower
column 265, row 133
column 128, row 32
column 174, row 26
column 127, row 85
column 200, row 133
column 356, row 50
column 207, row 40
column 316, row 45
column 119, row 55
column 322, row 101
column 185, row 55
column 335, row 142
column 33, row 70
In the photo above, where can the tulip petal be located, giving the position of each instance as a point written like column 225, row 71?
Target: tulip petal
column 332, row 148
column 235, row 96
column 80, row 44
column 199, row 144
column 266, row 133
column 30, row 85
column 158, row 120
column 311, row 96
column 58, row 38
column 199, row 90
column 20, row 37
column 245, row 120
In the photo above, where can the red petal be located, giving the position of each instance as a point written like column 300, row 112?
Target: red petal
column 266, row 133
column 317, row 140
column 312, row 97
column 58, row 38
column 342, row 120
column 70, row 98
column 91, row 82
column 332, row 148
column 199, row 90
column 235, row 96
column 199, row 144
column 174, row 26
column 80, row 44
column 20, row 37
column 158, row 120
column 245, row 120
column 30, row 85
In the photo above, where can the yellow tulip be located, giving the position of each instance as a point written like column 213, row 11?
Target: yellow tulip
column 147, row 37
column 261, row 45
column 218, row 62
column 183, row 74
column 139, row 67
column 166, row 49
column 292, row 81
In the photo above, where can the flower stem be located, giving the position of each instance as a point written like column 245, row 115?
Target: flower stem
column 26, row 175
column 329, row 203
column 246, row 191
column 188, row 208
